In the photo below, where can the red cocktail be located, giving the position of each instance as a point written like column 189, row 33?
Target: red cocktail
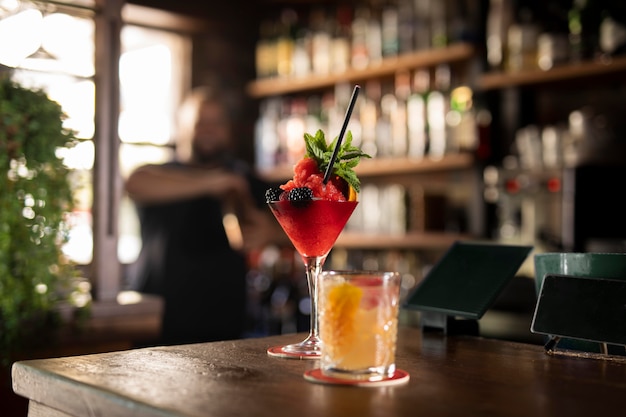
column 313, row 227
column 313, row 208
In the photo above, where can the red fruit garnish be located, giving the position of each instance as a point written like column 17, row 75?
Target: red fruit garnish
column 307, row 174
column 342, row 185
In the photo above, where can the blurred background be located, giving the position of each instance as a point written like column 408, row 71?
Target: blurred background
column 488, row 120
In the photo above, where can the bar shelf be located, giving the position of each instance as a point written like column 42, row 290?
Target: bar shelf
column 261, row 88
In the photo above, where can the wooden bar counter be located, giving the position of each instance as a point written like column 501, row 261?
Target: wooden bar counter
column 449, row 376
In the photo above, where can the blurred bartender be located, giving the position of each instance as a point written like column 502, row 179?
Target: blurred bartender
column 198, row 216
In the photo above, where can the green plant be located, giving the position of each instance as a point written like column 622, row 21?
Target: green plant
column 35, row 198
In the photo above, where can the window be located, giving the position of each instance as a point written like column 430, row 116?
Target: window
column 151, row 85
column 54, row 48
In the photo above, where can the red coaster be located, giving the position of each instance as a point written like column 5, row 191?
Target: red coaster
column 279, row 352
column 315, row 375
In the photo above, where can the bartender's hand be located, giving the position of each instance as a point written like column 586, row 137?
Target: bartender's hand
column 226, row 186
column 259, row 228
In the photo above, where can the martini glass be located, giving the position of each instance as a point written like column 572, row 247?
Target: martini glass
column 313, row 227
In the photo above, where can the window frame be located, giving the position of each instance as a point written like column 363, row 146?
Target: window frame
column 105, row 271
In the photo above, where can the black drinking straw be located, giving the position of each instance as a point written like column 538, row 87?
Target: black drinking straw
column 329, row 169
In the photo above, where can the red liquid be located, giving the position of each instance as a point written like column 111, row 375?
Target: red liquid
column 314, row 228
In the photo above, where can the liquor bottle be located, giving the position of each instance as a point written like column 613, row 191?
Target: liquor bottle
column 390, row 30
column 266, row 138
column 399, row 135
column 612, row 38
column 359, row 58
column 461, row 120
column 301, row 64
column 406, row 30
column 374, row 36
column 421, row 27
column 341, row 40
column 584, row 24
column 265, row 52
column 321, row 42
column 343, row 94
column 295, row 127
column 285, row 43
column 437, row 108
column 387, row 106
column 522, row 42
column 499, row 19
column 314, row 115
column 416, row 114
column 438, row 24
column 368, row 114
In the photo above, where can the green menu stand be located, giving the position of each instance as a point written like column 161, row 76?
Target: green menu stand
column 463, row 284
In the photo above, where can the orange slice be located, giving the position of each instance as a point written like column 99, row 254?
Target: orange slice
column 341, row 308
column 352, row 194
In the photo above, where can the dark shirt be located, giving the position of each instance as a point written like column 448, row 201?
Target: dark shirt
column 186, row 258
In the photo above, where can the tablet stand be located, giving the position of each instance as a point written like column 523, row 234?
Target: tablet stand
column 449, row 325
column 584, row 313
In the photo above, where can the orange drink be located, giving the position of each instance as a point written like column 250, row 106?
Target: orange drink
column 359, row 323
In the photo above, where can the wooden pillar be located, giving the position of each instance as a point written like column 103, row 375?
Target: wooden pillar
column 107, row 184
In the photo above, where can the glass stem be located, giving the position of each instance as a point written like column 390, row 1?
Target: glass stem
column 313, row 267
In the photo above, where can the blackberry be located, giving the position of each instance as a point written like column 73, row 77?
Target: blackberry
column 273, row 194
column 300, row 196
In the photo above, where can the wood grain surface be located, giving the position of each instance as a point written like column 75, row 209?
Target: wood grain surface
column 450, row 376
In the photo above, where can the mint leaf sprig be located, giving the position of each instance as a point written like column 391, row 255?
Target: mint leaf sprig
column 348, row 156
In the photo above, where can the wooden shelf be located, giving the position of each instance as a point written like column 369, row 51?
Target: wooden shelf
column 377, row 167
column 389, row 66
column 411, row 240
column 495, row 80
column 398, row 166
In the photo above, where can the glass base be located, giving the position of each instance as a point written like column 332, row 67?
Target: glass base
column 316, row 375
column 302, row 350
column 371, row 374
